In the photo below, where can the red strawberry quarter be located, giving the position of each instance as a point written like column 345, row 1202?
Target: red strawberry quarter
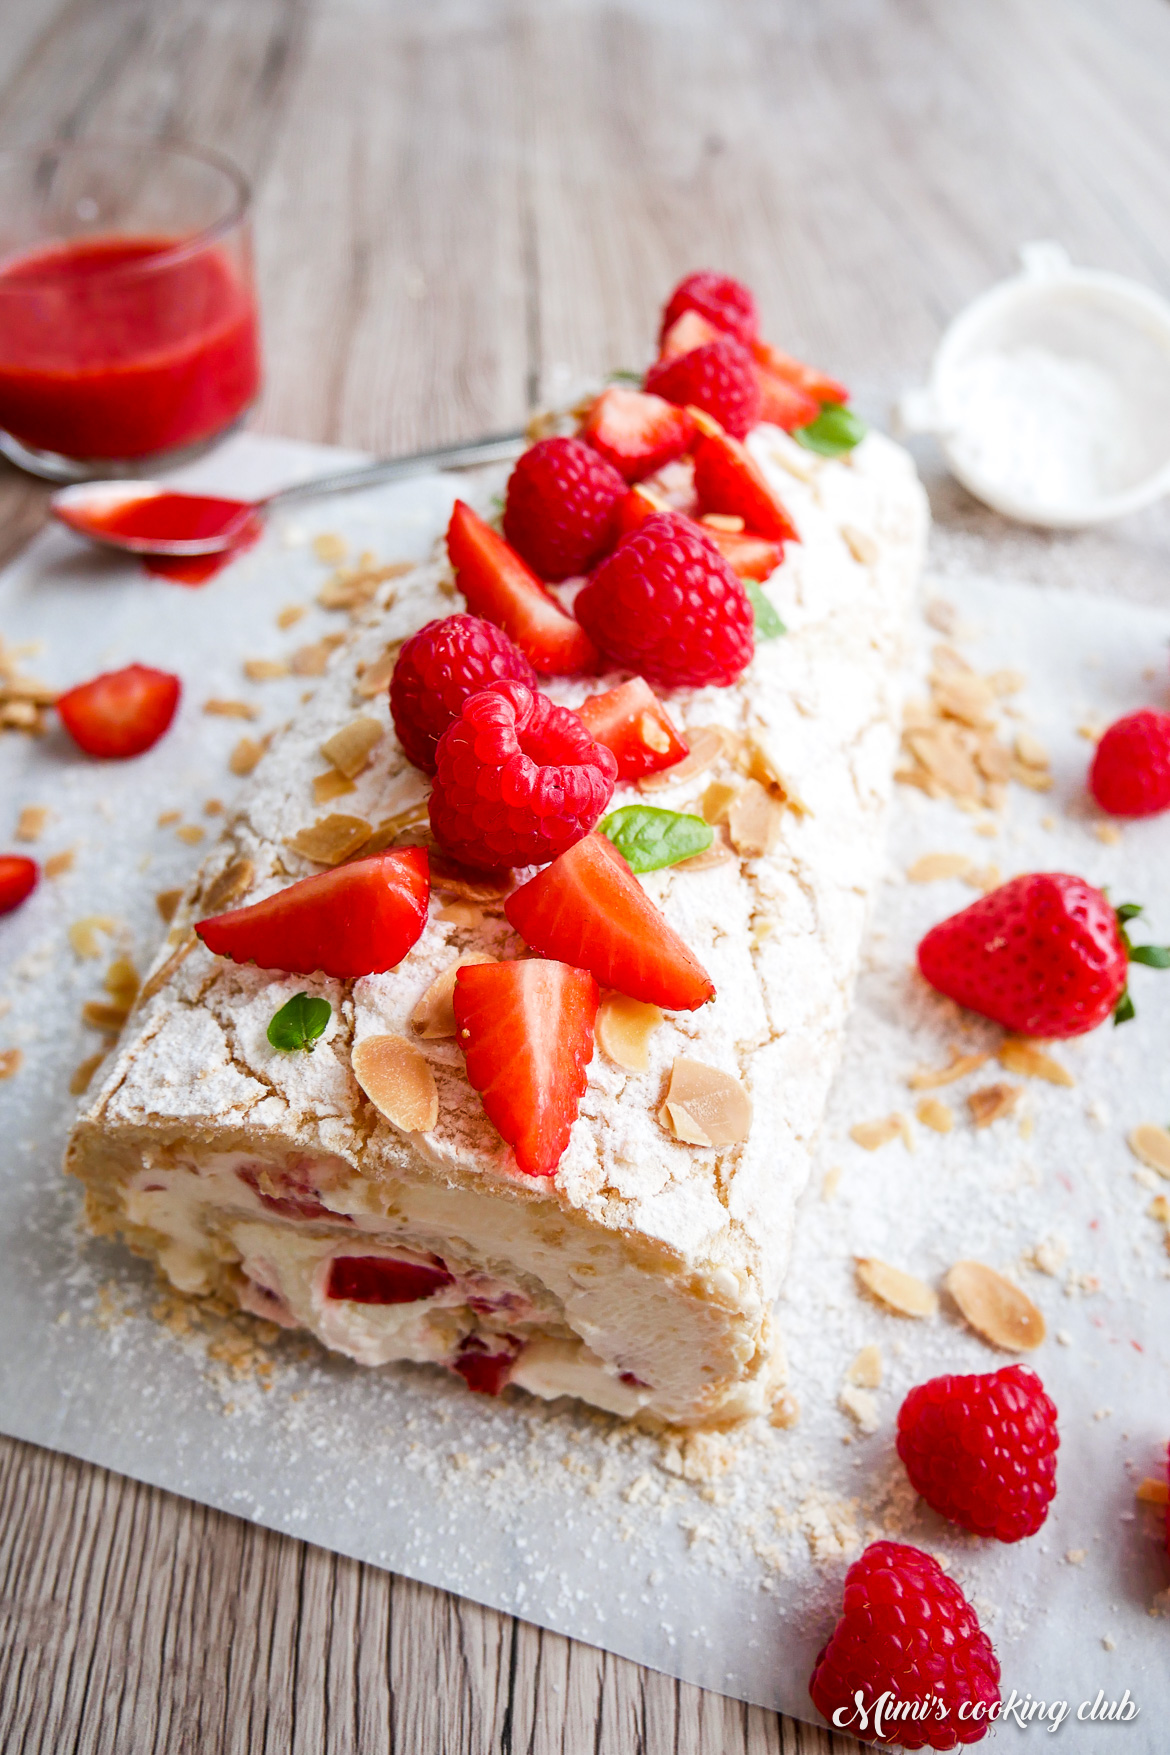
column 359, row 919
column 526, row 1031
column 718, row 378
column 632, row 723
column 503, row 589
column 749, row 557
column 589, row 909
column 729, row 480
column 560, row 507
column 783, row 404
column 18, row 880
column 782, row 365
column 120, row 713
column 637, row 433
column 726, row 303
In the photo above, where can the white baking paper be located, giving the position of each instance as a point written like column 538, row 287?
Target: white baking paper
column 721, row 1562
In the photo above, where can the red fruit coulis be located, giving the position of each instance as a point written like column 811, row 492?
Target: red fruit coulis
column 171, row 517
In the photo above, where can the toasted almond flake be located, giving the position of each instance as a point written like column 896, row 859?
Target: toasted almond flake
column 376, row 676
column 1159, row 1208
column 166, row 902
column 1006, row 682
column 716, row 801
column 350, row 748
column 760, row 764
column 947, row 759
column 706, row 746
column 992, row 1102
column 897, row 1291
column 946, row 659
column 1030, row 750
column 993, row 759
column 11, row 1061
column 715, row 1101
column 861, row 1407
column 264, row 669
column 860, row 544
column 932, row 1112
column 928, row 1079
column 290, row 615
column 234, row 880
column 1035, row 779
column 122, row 982
column 1018, row 1055
column 464, row 885
column 231, row 709
column 932, row 866
column 191, row 833
column 332, row 839
column 83, row 934
column 754, row 820
column 983, row 878
column 32, row 822
column 101, row 1016
column 213, row 807
column 1151, row 1144
column 330, row 785
column 965, row 698
column 20, row 714
column 353, row 587
column 1109, row 833
column 866, row 1369
column 313, row 660
column 994, row 1308
column 461, row 914
column 396, row 1078
column 59, row 863
column 723, row 521
column 1152, row 1491
column 679, row 1120
column 434, row 1015
column 163, row 974
column 624, row 1028
column 245, row 756
column 875, row 1134
column 330, row 548
column 169, row 817
column 942, row 615
column 718, row 853
column 82, row 1076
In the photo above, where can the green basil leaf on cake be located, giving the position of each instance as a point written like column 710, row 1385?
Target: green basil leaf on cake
column 834, row 432
column 768, row 623
column 298, row 1024
column 649, row 838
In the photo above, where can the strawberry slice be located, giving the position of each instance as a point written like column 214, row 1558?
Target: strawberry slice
column 590, row 909
column 637, row 432
column 806, row 378
column 638, row 505
column 785, row 405
column 502, row 589
column 120, row 713
column 359, row 919
column 632, row 722
column 379, row 1279
column 686, row 333
column 749, row 557
column 727, row 479
column 18, row 879
column 526, row 1031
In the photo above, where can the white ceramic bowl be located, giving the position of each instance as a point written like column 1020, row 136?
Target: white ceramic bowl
column 1079, row 315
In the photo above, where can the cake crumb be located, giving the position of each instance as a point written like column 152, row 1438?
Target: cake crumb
column 861, row 1407
column 1076, row 1556
column 866, row 1368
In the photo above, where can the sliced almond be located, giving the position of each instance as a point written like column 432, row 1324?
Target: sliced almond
column 679, row 1120
column 932, row 867
column 928, row 1079
column 245, row 755
column 993, row 759
column 715, row 1102
column 706, row 746
column 290, row 615
column 468, row 914
column 875, row 1134
column 946, row 759
column 213, row 807
column 1030, row 750
column 1108, row 833
column 717, row 801
column 59, row 863
column 1006, row 682
column 1035, row 779
column 434, row 1015
column 947, row 660
column 11, row 1061
column 332, row 839
column 313, row 659
column 942, row 615
column 329, row 547
column 897, row 1291
column 1151, row 1144
column 166, row 902
column 624, row 1028
column 191, row 833
column 122, row 982
column 100, row 1016
column 396, row 1078
column 32, row 822
column 350, row 748
column 965, row 698
column 729, row 521
column 760, row 764
column 994, row 1308
column 168, row 818
column 983, row 878
column 861, row 544
column 652, row 734
column 992, row 1102
column 390, row 828
column 330, row 785
column 1018, row 1055
column 1152, row 1491
column 861, row 1407
column 451, row 879
column 82, row 1076
column 755, row 819
column 231, row 709
column 376, row 676
column 932, row 1112
column 718, row 853
column 234, row 880
column 83, row 934
column 866, row 1369
column 264, row 669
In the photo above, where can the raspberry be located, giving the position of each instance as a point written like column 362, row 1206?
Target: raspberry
column 719, row 378
column 723, row 301
column 982, row 1450
column 1130, row 775
column 560, row 510
column 667, row 605
column 906, row 1628
column 519, row 780
column 438, row 668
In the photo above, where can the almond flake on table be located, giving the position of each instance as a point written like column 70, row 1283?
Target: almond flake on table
column 82, row 1075
column 1151, row 1144
column 191, row 834
column 395, row 1076
column 861, row 1406
column 995, row 1308
column 875, row 1134
column 1018, row 1054
column 166, row 901
column 101, row 1015
column 350, row 748
column 213, row 807
column 83, row 934
column 11, row 1061
column 992, row 1102
column 226, row 709
column 265, row 669
column 330, row 548
column 1109, row 833
column 926, row 1079
column 353, row 587
column 332, row 839
column 59, row 863
column 932, row 1112
column 930, row 867
column 983, row 878
column 122, row 982
column 32, row 822
column 624, row 1028
column 866, row 1368
column 168, row 818
column 290, row 615
column 898, row 1291
column 245, row 756
column 313, row 660
column 1030, row 751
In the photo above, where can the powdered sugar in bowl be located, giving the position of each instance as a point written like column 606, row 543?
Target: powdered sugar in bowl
column 1050, row 394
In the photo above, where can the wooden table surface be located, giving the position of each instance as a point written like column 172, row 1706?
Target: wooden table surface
column 459, row 202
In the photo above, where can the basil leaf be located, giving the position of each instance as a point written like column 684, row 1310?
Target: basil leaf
column 768, row 623
column 299, row 1023
column 836, row 430
column 649, row 838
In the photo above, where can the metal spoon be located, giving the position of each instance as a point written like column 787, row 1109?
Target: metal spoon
column 83, row 506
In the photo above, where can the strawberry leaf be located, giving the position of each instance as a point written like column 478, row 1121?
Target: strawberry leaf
column 1124, row 1009
column 768, row 623
column 836, row 430
column 1153, row 956
column 299, row 1023
column 649, row 838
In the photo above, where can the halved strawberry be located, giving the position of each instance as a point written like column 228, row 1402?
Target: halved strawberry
column 784, row 404
column 806, row 378
column 359, row 919
column 638, row 505
column 687, row 332
column 727, row 479
column 499, row 586
column 632, row 722
column 637, row 432
column 749, row 557
column 18, row 879
column 380, row 1279
column 120, row 713
column 526, row 1031
column 590, row 909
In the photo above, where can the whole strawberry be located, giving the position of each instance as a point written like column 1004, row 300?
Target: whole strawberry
column 518, row 780
column 907, row 1632
column 981, row 1450
column 726, row 303
column 1130, row 774
column 560, row 507
column 1044, row 955
column 719, row 378
column 667, row 605
column 438, row 668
